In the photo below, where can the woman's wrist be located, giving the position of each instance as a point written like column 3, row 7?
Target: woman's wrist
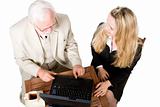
column 110, row 86
column 100, row 69
column 99, row 66
column 108, row 82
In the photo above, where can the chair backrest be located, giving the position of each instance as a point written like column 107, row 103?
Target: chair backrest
column 139, row 52
column 142, row 40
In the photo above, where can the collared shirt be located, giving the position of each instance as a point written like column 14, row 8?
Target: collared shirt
column 110, row 44
column 45, row 42
column 49, row 61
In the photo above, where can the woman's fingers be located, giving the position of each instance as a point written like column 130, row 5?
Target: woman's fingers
column 98, row 85
column 107, row 74
column 101, row 89
column 104, row 77
column 99, row 93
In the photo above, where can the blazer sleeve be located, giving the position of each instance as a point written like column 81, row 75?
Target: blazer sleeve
column 96, row 58
column 72, row 48
column 24, row 63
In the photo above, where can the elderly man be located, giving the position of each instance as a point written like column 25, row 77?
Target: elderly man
column 44, row 45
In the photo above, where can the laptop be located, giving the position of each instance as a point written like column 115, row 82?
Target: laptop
column 66, row 91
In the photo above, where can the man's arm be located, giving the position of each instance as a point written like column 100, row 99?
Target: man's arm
column 96, row 62
column 73, row 54
column 72, row 48
column 25, row 63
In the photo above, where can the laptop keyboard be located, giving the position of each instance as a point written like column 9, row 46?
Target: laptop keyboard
column 69, row 87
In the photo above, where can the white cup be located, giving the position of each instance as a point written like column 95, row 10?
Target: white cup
column 32, row 99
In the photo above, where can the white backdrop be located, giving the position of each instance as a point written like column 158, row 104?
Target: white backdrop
column 142, row 89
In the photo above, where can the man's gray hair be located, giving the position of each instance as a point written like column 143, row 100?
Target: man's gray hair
column 36, row 9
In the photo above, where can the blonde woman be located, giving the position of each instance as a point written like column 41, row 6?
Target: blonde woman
column 116, row 50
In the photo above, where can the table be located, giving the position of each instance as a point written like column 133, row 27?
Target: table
column 37, row 84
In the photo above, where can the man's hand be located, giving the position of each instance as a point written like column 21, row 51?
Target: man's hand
column 45, row 75
column 78, row 70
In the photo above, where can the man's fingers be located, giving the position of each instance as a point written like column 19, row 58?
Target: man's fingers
column 50, row 76
column 78, row 70
column 52, row 73
column 75, row 75
column 78, row 73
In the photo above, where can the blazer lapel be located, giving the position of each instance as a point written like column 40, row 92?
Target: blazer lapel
column 60, row 48
column 34, row 42
column 53, row 39
column 57, row 45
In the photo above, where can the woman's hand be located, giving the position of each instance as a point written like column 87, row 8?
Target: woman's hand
column 102, row 74
column 101, row 88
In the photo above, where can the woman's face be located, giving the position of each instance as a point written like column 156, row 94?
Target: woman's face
column 111, row 26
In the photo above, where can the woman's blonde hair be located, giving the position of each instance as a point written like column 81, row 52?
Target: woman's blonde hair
column 99, row 39
column 126, row 37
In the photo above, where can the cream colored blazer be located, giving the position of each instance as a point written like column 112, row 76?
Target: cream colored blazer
column 28, row 50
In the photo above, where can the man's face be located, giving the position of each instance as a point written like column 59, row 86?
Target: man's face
column 45, row 25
